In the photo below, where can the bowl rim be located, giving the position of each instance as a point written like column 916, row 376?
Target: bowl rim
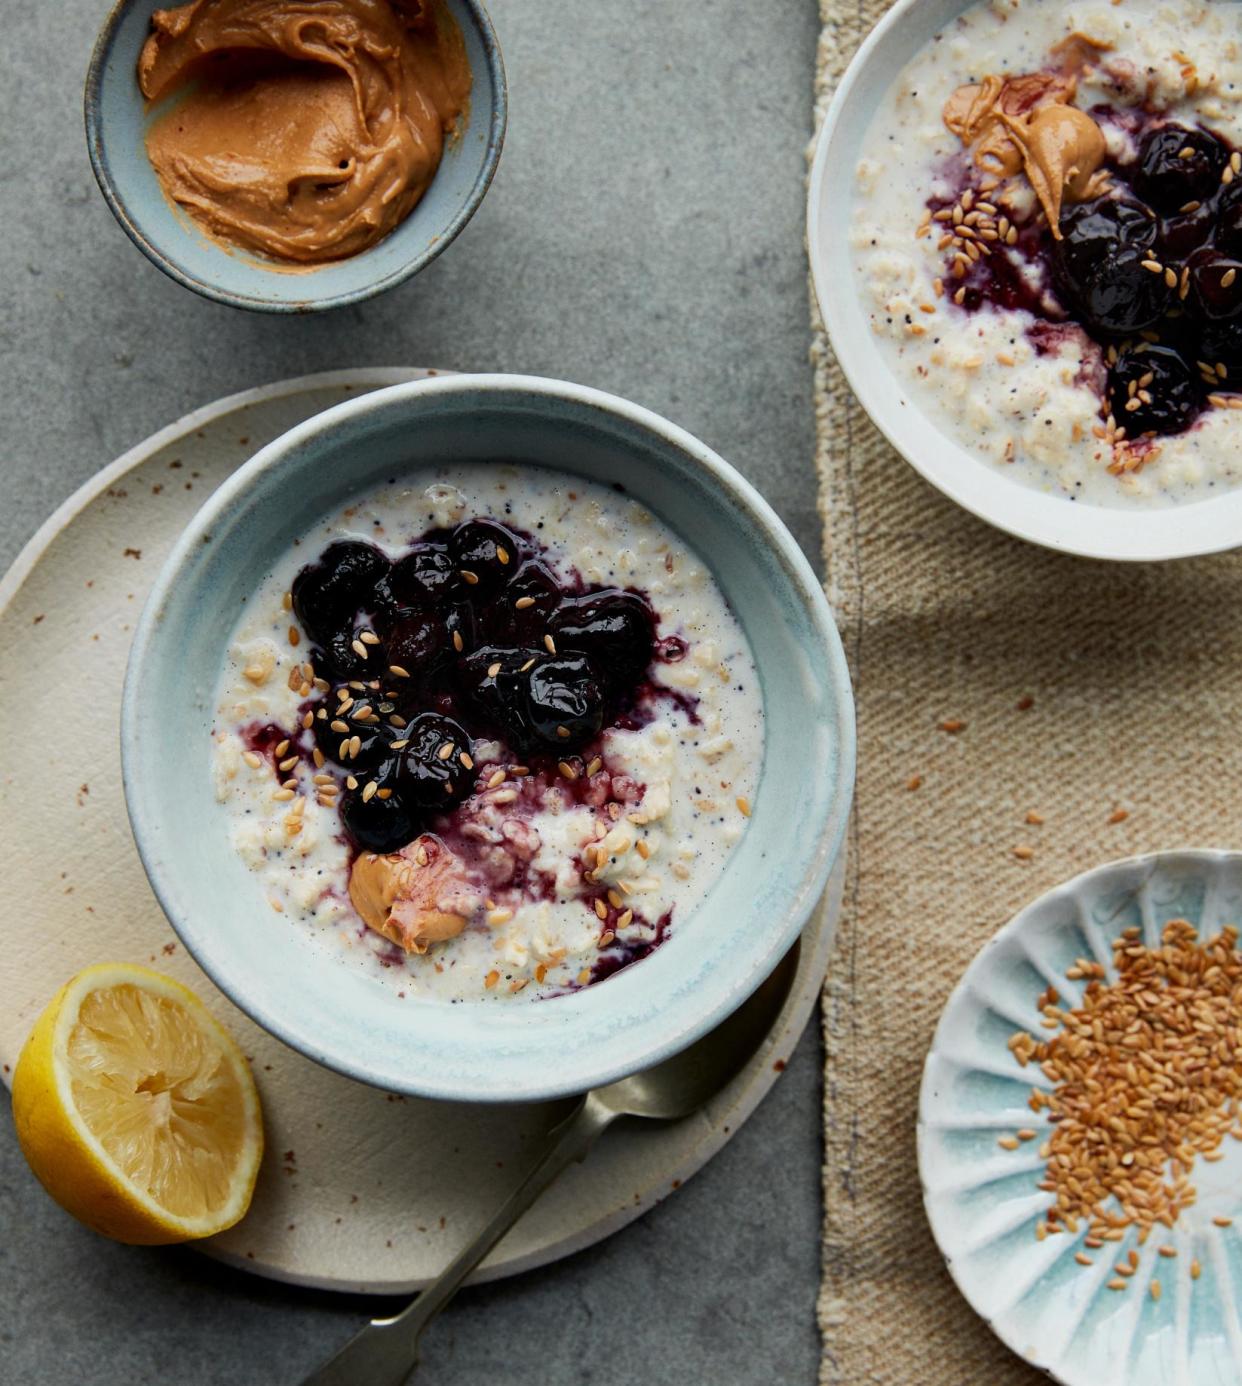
column 1119, row 534
column 819, row 861
column 96, row 149
column 1195, row 856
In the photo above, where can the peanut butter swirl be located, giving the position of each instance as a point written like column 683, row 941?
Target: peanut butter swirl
column 308, row 129
column 1027, row 124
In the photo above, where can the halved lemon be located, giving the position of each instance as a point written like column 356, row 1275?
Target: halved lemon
column 136, row 1109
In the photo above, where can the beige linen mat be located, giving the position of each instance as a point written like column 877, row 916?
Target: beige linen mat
column 993, row 680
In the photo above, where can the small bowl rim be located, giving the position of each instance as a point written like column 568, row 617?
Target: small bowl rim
column 1198, row 856
column 95, row 142
column 1114, row 533
column 818, row 862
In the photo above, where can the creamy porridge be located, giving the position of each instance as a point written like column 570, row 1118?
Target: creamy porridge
column 1048, row 239
column 488, row 732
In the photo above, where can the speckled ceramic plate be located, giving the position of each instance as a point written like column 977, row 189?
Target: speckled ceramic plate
column 982, row 1199
column 329, row 1210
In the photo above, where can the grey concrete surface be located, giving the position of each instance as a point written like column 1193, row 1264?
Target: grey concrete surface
column 644, row 234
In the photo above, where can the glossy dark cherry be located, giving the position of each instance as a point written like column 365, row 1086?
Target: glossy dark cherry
column 379, row 825
column 1166, row 388
column 424, row 576
column 429, row 770
column 1177, row 165
column 486, row 554
column 1099, row 266
column 1215, row 284
column 419, row 644
column 564, row 701
column 615, row 628
column 328, row 594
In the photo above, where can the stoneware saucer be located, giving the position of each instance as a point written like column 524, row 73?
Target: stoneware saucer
column 116, row 123
column 981, row 1196
column 328, row 1210
column 1095, row 531
column 478, row 1050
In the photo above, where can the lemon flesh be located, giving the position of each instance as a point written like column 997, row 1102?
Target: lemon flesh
column 136, row 1110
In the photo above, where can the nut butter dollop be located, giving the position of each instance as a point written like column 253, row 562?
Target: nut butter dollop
column 1027, row 124
column 414, row 897
column 308, row 129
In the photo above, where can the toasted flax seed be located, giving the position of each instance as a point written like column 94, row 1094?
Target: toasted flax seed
column 1147, row 1075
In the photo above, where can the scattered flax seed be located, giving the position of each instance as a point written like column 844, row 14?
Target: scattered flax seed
column 1008, row 1142
column 1118, row 1284
column 952, row 725
column 499, row 916
column 458, row 643
column 549, row 644
column 308, row 721
column 493, row 669
column 606, row 938
column 295, row 636
column 1026, row 1134
column 495, row 778
column 445, row 751
column 369, row 637
column 567, row 770
column 252, row 760
column 1196, row 1270
column 1222, row 1222
column 1167, row 1251
column 584, row 976
column 601, row 909
column 369, row 792
column 1034, row 819
column 468, row 577
column 289, row 763
column 358, row 648
column 1083, row 1259
column 1147, row 1075
column 914, row 782
column 397, row 671
column 1155, row 1289
column 743, row 806
column 283, row 796
column 467, row 760
column 1118, row 815
column 351, row 782
column 642, row 849
column 491, row 979
column 1023, row 852
column 615, row 900
column 523, row 602
column 594, row 767
column 625, row 919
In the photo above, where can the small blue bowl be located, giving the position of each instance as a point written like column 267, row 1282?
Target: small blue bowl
column 477, row 1051
column 116, row 124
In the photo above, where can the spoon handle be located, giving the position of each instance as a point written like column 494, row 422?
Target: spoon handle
column 385, row 1352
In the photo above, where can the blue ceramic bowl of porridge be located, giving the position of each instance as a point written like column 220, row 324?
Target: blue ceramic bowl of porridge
column 636, row 887
column 118, row 121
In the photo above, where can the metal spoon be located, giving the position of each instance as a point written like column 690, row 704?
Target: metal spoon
column 385, row 1352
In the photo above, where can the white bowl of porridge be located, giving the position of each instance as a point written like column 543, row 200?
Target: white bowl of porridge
column 463, row 733
column 1025, row 227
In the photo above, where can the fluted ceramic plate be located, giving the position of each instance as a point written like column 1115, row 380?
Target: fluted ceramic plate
column 982, row 1200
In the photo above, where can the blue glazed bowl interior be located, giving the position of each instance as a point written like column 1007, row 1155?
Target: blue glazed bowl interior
column 116, row 123
column 484, row 1050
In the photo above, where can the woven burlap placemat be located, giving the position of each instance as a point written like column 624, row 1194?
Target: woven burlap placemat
column 1102, row 697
